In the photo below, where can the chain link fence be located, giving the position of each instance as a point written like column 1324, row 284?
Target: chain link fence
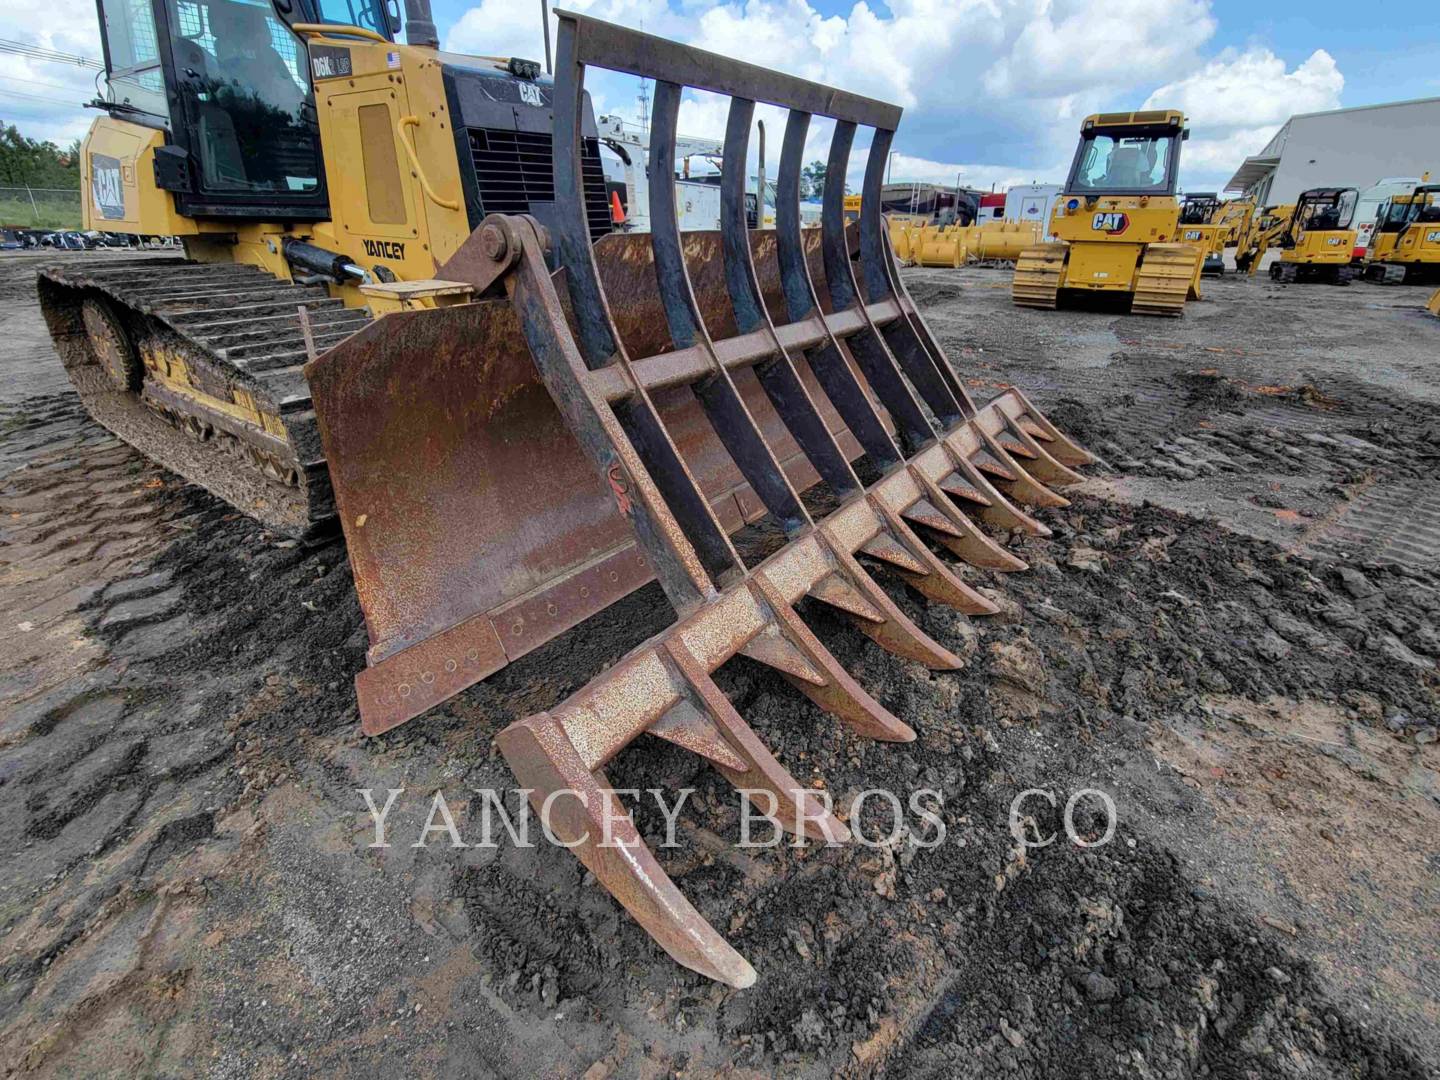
column 40, row 208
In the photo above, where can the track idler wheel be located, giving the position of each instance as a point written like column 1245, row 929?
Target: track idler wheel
column 111, row 345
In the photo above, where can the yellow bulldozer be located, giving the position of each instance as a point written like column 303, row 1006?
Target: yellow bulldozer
column 1198, row 226
column 1405, row 246
column 1116, row 221
column 1318, row 241
column 402, row 306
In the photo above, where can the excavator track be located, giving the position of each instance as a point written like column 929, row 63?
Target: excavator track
column 1162, row 281
column 199, row 366
column 1037, row 275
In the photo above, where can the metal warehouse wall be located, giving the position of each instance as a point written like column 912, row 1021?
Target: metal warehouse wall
column 1356, row 147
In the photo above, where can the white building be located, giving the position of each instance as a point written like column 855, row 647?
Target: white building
column 1343, row 148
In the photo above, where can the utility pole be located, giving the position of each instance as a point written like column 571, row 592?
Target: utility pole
column 545, row 25
column 890, row 165
column 760, row 185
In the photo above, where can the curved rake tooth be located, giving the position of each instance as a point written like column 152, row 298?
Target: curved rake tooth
column 795, row 805
column 1062, row 448
column 771, row 648
column 1025, row 487
column 994, row 506
column 1040, row 464
column 837, row 592
column 935, row 579
column 1013, row 446
column 686, row 726
column 887, row 549
column 957, row 532
column 542, row 758
column 841, row 695
column 897, row 633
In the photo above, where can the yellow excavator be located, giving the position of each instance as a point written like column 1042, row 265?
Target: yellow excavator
column 1318, row 242
column 1116, row 221
column 1405, row 246
column 1258, row 232
column 403, row 309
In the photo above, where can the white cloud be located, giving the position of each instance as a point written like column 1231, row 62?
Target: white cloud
column 45, row 99
column 1238, row 100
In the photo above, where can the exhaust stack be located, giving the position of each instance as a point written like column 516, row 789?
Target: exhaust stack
column 420, row 25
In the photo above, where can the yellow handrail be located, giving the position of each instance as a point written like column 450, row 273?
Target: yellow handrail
column 339, row 30
column 400, row 126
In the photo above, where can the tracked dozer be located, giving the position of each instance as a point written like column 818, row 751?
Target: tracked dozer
column 1198, row 226
column 1317, row 244
column 1116, row 222
column 1405, row 246
column 546, row 421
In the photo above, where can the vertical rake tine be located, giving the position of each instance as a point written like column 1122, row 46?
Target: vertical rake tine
column 827, row 361
column 543, row 759
column 717, row 394
column 793, row 803
column 923, row 368
column 689, row 513
column 897, row 633
column 841, row 695
column 867, row 346
column 777, row 376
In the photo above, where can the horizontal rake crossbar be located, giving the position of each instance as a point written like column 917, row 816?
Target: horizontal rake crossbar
column 854, row 334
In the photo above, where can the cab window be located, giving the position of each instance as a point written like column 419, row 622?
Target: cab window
column 1123, row 163
column 133, row 53
column 245, row 83
column 364, row 13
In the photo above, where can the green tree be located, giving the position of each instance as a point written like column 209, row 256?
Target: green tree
column 26, row 162
column 812, row 180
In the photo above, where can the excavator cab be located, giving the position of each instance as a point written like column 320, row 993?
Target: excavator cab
column 1197, row 226
column 1406, row 244
column 1319, row 241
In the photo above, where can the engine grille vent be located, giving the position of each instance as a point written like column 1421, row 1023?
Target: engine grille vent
column 513, row 169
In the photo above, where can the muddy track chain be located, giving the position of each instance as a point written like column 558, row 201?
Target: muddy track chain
column 223, row 349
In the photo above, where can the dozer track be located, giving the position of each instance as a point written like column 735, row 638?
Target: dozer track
column 1163, row 279
column 456, row 577
column 1037, row 275
column 199, row 366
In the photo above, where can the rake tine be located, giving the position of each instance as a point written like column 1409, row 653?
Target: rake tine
column 897, row 633
column 543, row 759
column 956, row 531
column 840, row 695
column 968, row 481
column 1062, row 448
column 935, row 580
column 1039, row 463
column 1020, row 483
column 794, row 804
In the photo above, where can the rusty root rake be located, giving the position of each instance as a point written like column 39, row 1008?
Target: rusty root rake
column 855, row 339
column 979, row 458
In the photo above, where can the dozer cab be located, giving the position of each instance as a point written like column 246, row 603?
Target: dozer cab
column 525, row 420
column 1198, row 226
column 1318, row 243
column 1116, row 221
column 1405, row 246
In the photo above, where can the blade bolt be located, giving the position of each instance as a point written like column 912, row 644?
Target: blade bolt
column 494, row 242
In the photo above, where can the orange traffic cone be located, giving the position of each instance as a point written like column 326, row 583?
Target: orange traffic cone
column 617, row 212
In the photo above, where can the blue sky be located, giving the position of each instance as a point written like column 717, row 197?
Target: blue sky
column 993, row 90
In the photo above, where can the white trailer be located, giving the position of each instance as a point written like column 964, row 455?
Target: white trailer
column 1033, row 203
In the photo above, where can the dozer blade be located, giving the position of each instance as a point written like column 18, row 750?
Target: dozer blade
column 702, row 382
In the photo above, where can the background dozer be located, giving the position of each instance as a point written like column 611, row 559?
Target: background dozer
column 1116, row 221
column 1198, row 226
column 540, row 418
column 1318, row 243
column 1405, row 246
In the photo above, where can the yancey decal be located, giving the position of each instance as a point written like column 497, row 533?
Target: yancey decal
column 1113, row 222
column 384, row 249
column 106, row 189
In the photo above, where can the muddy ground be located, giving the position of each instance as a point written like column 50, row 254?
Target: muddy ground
column 1232, row 633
